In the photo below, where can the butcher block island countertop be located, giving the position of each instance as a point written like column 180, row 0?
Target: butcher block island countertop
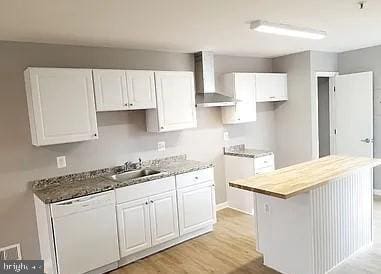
column 290, row 181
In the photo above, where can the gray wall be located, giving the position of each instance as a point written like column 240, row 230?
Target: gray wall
column 296, row 119
column 368, row 59
column 292, row 117
column 122, row 134
column 323, row 114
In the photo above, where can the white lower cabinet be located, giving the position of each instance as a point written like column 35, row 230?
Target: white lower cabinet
column 196, row 207
column 133, row 227
column 237, row 167
column 163, row 218
column 147, row 215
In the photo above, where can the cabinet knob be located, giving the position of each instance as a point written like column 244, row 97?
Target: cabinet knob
column 151, row 202
column 95, row 135
column 126, row 105
column 131, row 104
column 196, row 178
column 272, row 97
column 162, row 127
column 146, row 203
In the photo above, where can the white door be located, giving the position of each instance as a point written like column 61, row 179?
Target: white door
column 141, row 89
column 354, row 114
column 271, row 87
column 175, row 100
column 110, row 89
column 164, row 219
column 245, row 93
column 196, row 207
column 133, row 226
column 61, row 105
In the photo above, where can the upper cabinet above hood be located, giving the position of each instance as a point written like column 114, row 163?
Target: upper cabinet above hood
column 205, row 83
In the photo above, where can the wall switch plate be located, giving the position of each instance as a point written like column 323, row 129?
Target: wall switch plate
column 226, row 136
column 61, row 161
column 161, row 146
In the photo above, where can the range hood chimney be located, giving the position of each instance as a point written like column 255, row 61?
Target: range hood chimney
column 206, row 95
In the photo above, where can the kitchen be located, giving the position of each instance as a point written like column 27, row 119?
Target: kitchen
column 280, row 127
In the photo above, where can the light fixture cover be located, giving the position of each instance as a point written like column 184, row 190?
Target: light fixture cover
column 287, row 30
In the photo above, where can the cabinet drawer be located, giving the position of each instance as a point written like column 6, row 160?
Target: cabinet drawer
column 265, row 161
column 138, row 191
column 264, row 170
column 195, row 177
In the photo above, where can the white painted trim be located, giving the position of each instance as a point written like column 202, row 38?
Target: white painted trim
column 315, row 111
column 242, row 211
column 221, row 206
column 377, row 192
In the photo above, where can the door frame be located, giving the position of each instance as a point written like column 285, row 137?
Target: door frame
column 315, row 111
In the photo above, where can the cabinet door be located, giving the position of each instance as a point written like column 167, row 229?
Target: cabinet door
column 196, row 207
column 271, row 87
column 133, row 227
column 164, row 218
column 141, row 89
column 61, row 105
column 245, row 93
column 110, row 89
column 175, row 100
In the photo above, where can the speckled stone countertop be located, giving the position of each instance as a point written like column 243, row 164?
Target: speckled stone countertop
column 71, row 186
column 242, row 151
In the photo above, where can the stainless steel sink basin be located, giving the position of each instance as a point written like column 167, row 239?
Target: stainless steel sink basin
column 133, row 174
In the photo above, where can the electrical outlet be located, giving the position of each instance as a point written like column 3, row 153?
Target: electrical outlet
column 61, row 161
column 267, row 209
column 226, row 136
column 161, row 146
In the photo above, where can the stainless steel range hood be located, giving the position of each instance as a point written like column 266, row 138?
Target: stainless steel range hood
column 206, row 95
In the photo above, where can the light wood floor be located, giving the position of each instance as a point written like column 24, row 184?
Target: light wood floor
column 230, row 248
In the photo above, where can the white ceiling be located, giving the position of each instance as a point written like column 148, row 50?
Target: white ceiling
column 191, row 25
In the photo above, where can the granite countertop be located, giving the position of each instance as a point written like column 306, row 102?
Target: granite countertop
column 71, row 186
column 242, row 151
column 293, row 180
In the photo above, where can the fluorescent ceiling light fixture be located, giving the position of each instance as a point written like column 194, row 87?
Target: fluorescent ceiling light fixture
column 287, row 30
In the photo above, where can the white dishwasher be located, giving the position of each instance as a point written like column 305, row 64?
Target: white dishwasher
column 85, row 233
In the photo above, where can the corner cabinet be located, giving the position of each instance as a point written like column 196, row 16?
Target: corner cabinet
column 175, row 97
column 124, row 89
column 240, row 86
column 61, row 105
column 271, row 87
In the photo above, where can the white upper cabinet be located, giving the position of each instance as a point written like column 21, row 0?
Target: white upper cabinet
column 241, row 86
column 124, row 89
column 271, row 87
column 175, row 96
column 141, row 89
column 110, row 89
column 61, row 105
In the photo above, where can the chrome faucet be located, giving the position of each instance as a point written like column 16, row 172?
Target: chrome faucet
column 133, row 166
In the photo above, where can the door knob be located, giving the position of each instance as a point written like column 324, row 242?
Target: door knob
column 367, row 140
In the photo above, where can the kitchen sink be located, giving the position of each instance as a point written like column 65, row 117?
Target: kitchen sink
column 133, row 174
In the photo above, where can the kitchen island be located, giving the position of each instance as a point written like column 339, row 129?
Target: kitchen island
column 311, row 216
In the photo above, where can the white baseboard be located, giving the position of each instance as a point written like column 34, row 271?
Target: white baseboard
column 221, row 206
column 377, row 192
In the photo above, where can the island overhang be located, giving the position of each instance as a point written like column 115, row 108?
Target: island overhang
column 290, row 181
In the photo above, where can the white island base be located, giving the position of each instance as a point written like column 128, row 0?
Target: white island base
column 315, row 231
